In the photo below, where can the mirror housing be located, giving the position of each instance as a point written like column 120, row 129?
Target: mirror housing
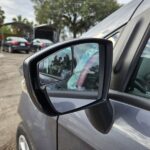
column 39, row 96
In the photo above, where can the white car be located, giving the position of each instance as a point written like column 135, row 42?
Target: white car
column 39, row 44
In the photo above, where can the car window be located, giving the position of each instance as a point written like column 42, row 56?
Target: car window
column 16, row 39
column 12, row 38
column 22, row 40
column 8, row 39
column 37, row 41
column 140, row 81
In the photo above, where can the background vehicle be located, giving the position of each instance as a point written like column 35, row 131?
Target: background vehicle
column 12, row 44
column 38, row 44
column 45, row 31
column 78, row 116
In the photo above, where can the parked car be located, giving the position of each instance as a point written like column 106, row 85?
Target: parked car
column 75, row 96
column 12, row 44
column 38, row 44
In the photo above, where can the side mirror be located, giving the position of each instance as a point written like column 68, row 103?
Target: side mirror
column 69, row 76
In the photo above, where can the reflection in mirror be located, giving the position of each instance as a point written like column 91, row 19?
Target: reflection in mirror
column 74, row 68
column 56, row 68
column 57, row 65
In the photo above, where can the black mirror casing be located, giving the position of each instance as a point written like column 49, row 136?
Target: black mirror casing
column 38, row 95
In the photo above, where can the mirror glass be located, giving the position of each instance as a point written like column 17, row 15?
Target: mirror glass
column 72, row 75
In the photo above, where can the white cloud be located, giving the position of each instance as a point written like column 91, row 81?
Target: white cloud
column 13, row 8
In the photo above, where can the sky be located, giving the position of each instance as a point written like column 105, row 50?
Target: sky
column 123, row 1
column 13, row 8
column 24, row 8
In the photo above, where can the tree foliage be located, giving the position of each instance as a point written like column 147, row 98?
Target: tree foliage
column 20, row 19
column 19, row 30
column 2, row 16
column 77, row 15
column 6, row 30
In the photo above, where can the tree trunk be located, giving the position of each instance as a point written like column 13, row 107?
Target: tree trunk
column 74, row 34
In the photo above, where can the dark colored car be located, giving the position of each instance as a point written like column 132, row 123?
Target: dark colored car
column 85, row 94
column 12, row 44
column 38, row 44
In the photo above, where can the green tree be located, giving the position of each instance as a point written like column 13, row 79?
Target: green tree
column 30, row 23
column 2, row 16
column 6, row 30
column 77, row 15
column 19, row 19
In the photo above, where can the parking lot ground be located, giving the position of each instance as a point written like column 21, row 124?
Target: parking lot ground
column 10, row 89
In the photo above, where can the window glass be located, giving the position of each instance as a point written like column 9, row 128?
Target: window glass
column 21, row 39
column 140, row 81
column 8, row 39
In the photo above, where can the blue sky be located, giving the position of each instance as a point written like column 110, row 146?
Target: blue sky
column 13, row 8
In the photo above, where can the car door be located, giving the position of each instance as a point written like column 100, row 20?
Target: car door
column 131, row 128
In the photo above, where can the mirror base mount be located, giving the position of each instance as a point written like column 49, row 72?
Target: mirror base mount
column 101, row 116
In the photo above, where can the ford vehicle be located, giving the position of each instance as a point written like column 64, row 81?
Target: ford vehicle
column 91, row 93
column 38, row 44
column 12, row 44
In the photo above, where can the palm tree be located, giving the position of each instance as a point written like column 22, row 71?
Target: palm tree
column 19, row 19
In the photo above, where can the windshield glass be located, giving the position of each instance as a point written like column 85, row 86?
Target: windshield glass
column 16, row 39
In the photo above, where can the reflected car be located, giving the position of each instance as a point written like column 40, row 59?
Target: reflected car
column 12, row 44
column 38, row 44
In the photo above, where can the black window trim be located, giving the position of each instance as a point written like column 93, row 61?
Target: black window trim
column 135, row 60
column 128, row 98
column 133, row 100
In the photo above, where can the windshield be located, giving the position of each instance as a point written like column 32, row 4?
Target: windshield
column 16, row 39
